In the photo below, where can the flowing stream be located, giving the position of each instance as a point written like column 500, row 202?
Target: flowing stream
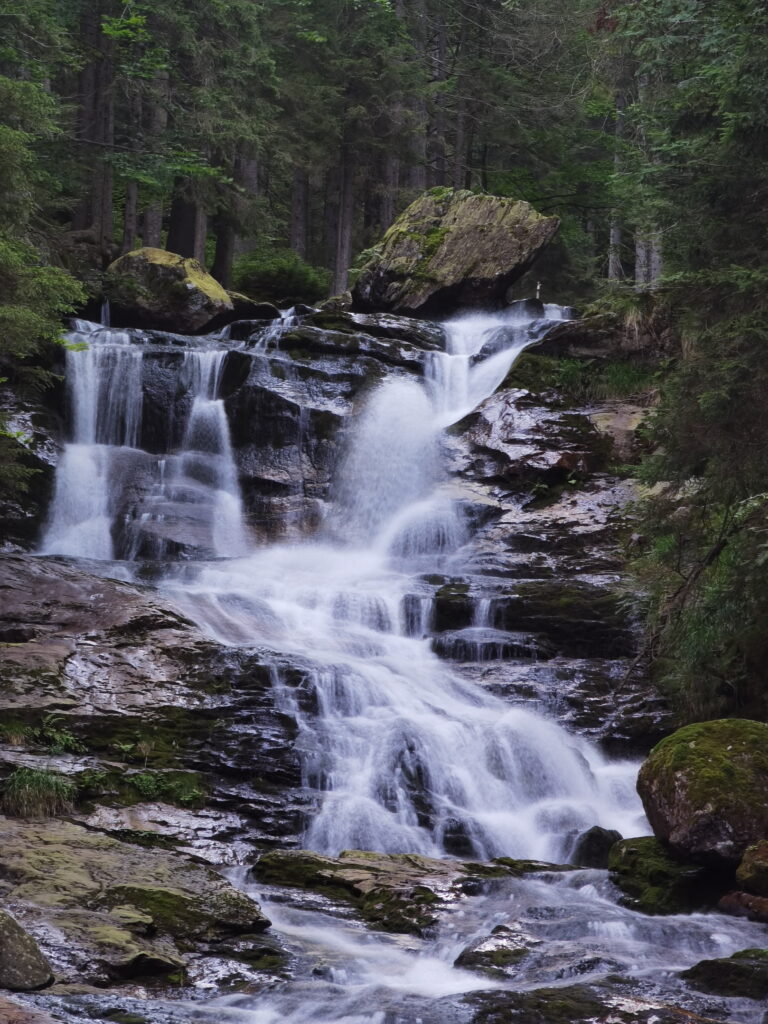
column 400, row 752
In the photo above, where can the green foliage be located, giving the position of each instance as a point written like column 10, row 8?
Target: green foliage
column 36, row 793
column 583, row 380
column 280, row 276
column 175, row 787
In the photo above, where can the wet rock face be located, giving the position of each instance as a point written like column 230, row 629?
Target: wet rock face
column 704, row 789
column 149, row 709
column 743, row 975
column 105, row 910
column 393, row 892
column 654, row 882
column 154, row 288
column 752, row 872
column 575, row 1004
column 23, row 967
column 450, row 250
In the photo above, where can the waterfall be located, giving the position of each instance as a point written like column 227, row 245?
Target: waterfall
column 402, row 753
column 111, row 498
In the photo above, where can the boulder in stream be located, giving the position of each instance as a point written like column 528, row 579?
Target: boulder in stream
column 23, row 968
column 154, row 288
column 452, row 249
column 705, row 789
column 743, row 975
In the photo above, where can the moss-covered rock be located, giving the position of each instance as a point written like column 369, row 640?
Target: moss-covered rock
column 654, row 882
column 574, row 1004
column 398, row 892
column 108, row 910
column 452, row 249
column 159, row 289
column 752, row 872
column 705, row 789
column 743, row 975
column 23, row 967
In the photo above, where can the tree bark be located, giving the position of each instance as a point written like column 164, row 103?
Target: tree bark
column 344, row 229
column 130, row 217
column 152, row 231
column 183, row 225
column 299, row 212
column 615, row 268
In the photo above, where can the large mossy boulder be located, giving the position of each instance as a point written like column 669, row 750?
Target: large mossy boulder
column 452, row 249
column 705, row 789
column 153, row 288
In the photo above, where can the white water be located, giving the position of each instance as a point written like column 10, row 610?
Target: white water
column 403, row 754
column 198, row 484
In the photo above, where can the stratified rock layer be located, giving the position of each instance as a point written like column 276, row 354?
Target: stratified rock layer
column 451, row 250
column 104, row 910
column 705, row 789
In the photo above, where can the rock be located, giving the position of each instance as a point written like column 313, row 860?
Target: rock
column 743, row 975
column 244, row 310
column 424, row 335
column 12, row 1012
column 575, row 1004
column 449, row 250
column 654, row 882
column 744, row 904
column 154, row 288
column 705, row 789
column 752, row 872
column 145, row 696
column 593, row 847
column 104, row 910
column 400, row 892
column 498, row 954
column 337, row 303
column 23, row 968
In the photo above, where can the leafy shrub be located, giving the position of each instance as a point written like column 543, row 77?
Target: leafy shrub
column 280, row 276
column 36, row 793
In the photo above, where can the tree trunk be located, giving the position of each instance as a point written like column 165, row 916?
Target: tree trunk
column 152, row 231
column 331, row 215
column 344, row 229
column 390, row 187
column 183, row 225
column 226, row 236
column 655, row 260
column 615, row 269
column 130, row 217
column 299, row 212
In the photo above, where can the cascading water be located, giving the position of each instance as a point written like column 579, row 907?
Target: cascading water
column 404, row 755
column 400, row 752
column 103, row 473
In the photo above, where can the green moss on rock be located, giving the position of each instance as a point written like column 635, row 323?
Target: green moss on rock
column 705, row 789
column 743, row 975
column 451, row 249
column 752, row 872
column 654, row 882
column 155, row 288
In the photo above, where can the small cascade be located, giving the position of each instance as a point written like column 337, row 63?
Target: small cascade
column 111, row 498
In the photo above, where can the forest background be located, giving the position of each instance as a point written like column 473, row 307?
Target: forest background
column 277, row 140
